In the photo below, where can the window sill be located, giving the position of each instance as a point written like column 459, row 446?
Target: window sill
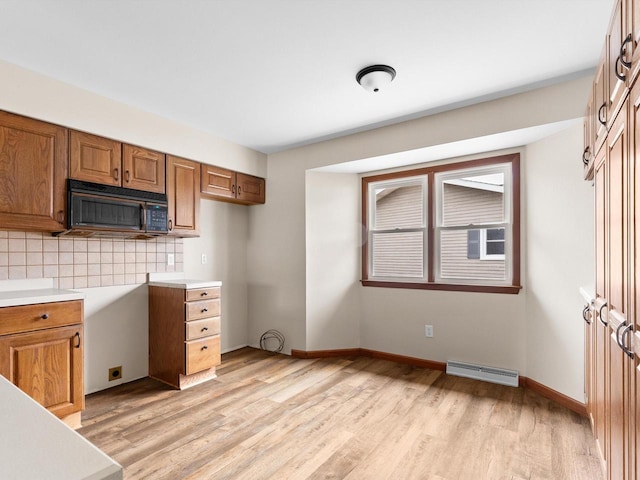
column 506, row 289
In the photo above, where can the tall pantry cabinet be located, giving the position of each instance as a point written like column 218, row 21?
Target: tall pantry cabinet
column 612, row 160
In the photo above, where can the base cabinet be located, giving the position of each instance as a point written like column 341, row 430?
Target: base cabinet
column 41, row 352
column 184, row 334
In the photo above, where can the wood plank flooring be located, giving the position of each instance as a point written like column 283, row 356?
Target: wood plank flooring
column 271, row 416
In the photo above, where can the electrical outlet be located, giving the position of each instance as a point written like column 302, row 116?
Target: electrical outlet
column 428, row 331
column 171, row 259
column 115, row 373
column 204, row 258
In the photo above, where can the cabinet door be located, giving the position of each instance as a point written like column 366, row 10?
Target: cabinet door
column 250, row 189
column 183, row 195
column 600, row 351
column 218, row 182
column 588, row 152
column 600, row 103
column 617, row 73
column 33, row 167
column 47, row 365
column 633, row 49
column 95, row 159
column 143, row 169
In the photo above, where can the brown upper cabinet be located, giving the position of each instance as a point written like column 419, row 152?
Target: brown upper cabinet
column 33, row 173
column 183, row 195
column 229, row 186
column 102, row 160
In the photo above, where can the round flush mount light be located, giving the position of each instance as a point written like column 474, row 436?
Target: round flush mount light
column 375, row 77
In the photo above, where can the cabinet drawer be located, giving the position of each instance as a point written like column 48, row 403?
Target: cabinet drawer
column 202, row 328
column 202, row 354
column 202, row 293
column 207, row 308
column 27, row 318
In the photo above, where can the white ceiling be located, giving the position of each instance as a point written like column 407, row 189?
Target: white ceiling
column 273, row 74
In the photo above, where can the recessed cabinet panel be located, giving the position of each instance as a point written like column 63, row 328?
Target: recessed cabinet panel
column 143, row 169
column 33, row 173
column 95, row 159
column 183, row 195
column 48, row 366
column 218, row 182
column 250, row 189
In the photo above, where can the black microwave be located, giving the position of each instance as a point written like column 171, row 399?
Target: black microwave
column 103, row 209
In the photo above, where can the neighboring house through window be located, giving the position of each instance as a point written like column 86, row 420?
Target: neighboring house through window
column 444, row 227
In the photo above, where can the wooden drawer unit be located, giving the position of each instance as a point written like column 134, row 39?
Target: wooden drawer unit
column 202, row 354
column 202, row 293
column 41, row 352
column 184, row 334
column 202, row 328
column 202, row 309
column 27, row 318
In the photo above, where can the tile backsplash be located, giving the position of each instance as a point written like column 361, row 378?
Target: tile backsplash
column 85, row 262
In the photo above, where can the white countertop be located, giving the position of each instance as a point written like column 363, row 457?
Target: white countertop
column 41, row 295
column 185, row 283
column 34, row 444
column 178, row 280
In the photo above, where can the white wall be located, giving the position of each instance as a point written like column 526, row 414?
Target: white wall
column 484, row 328
column 559, row 233
column 224, row 229
column 333, row 234
column 27, row 93
column 116, row 318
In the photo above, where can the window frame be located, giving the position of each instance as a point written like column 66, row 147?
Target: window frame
column 400, row 182
column 431, row 282
column 483, row 246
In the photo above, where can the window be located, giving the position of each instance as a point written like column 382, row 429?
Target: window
column 448, row 227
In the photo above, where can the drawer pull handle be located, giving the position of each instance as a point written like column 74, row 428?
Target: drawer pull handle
column 204, row 329
column 44, row 316
column 586, row 315
column 204, row 294
column 116, row 174
column 204, row 347
column 205, row 309
column 77, row 336
column 604, row 322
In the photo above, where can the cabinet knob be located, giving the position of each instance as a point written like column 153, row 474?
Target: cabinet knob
column 205, row 309
column 44, row 316
column 204, row 347
column 204, row 329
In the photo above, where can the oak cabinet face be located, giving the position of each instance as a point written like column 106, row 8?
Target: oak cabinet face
column 183, row 195
column 101, row 160
column 33, row 173
column 41, row 352
column 235, row 187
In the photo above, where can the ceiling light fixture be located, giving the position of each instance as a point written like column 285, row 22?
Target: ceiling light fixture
column 375, row 77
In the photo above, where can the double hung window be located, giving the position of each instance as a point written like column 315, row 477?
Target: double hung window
column 447, row 227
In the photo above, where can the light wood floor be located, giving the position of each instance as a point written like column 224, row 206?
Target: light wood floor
column 273, row 417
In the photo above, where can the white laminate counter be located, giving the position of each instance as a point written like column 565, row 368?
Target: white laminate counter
column 41, row 295
column 185, row 283
column 34, row 444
